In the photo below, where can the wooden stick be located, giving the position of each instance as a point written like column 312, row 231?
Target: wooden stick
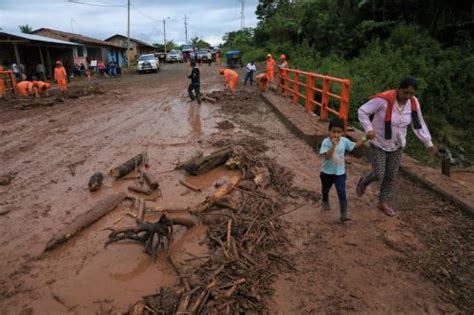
column 82, row 221
column 229, row 228
column 190, row 186
column 283, row 213
column 141, row 212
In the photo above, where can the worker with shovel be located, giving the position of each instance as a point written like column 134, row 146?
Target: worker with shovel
column 42, row 88
column 230, row 77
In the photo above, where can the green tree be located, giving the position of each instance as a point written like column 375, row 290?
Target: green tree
column 199, row 42
column 26, row 29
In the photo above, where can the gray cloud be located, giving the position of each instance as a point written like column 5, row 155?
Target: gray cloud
column 208, row 19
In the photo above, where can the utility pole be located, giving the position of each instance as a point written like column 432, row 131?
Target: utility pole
column 164, row 33
column 128, row 37
column 242, row 15
column 186, row 28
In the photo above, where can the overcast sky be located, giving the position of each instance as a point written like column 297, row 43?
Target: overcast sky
column 208, row 19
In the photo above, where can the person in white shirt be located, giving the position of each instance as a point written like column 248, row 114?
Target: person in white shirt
column 251, row 68
column 393, row 111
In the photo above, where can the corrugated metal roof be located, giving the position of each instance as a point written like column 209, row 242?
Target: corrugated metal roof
column 132, row 39
column 75, row 38
column 39, row 38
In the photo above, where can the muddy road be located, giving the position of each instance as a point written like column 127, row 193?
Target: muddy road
column 419, row 262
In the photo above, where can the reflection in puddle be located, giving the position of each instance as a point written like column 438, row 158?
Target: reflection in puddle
column 194, row 118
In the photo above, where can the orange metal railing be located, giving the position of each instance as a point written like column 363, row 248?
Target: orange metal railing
column 303, row 87
column 8, row 83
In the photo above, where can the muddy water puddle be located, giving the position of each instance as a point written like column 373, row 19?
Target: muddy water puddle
column 121, row 273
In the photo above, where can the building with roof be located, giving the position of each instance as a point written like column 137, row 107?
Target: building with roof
column 30, row 50
column 90, row 49
column 137, row 47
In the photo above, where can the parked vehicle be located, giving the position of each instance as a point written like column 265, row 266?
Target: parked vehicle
column 161, row 56
column 148, row 63
column 174, row 55
column 234, row 58
column 187, row 50
column 204, row 55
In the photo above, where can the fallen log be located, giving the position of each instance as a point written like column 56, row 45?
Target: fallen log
column 141, row 190
column 82, row 221
column 204, row 164
column 150, row 180
column 195, row 156
column 128, row 166
column 95, row 181
column 218, row 195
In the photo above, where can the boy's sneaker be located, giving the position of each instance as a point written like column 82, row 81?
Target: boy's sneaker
column 360, row 190
column 326, row 205
column 344, row 217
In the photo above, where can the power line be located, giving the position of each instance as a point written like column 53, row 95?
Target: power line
column 98, row 4
column 145, row 15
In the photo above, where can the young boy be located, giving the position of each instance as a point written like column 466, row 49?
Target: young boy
column 333, row 170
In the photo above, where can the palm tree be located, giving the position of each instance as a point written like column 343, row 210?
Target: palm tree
column 26, row 29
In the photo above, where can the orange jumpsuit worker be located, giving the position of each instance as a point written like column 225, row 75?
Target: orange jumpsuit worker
column 283, row 66
column 262, row 81
column 270, row 67
column 60, row 76
column 2, row 84
column 218, row 58
column 26, row 88
column 42, row 87
column 230, row 77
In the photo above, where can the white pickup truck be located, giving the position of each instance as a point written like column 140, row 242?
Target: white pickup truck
column 148, row 63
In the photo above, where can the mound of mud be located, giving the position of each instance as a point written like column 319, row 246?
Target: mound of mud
column 241, row 102
column 76, row 92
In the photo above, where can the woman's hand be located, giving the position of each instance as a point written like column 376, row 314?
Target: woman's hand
column 370, row 135
column 432, row 151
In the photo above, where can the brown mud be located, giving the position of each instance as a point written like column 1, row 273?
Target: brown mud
column 417, row 262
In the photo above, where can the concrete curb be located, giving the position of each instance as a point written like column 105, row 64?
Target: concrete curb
column 312, row 131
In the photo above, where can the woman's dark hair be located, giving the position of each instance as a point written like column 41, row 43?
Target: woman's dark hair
column 336, row 122
column 408, row 81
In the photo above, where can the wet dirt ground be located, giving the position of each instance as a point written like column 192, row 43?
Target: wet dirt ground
column 418, row 262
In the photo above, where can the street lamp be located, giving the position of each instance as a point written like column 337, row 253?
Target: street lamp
column 164, row 31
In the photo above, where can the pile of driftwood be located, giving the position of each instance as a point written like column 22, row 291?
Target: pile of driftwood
column 245, row 236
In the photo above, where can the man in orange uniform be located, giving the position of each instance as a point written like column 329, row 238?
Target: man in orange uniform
column 262, row 82
column 42, row 87
column 270, row 67
column 218, row 58
column 282, row 68
column 60, row 76
column 230, row 77
column 26, row 88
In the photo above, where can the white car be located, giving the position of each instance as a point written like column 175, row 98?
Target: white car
column 174, row 55
column 148, row 63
